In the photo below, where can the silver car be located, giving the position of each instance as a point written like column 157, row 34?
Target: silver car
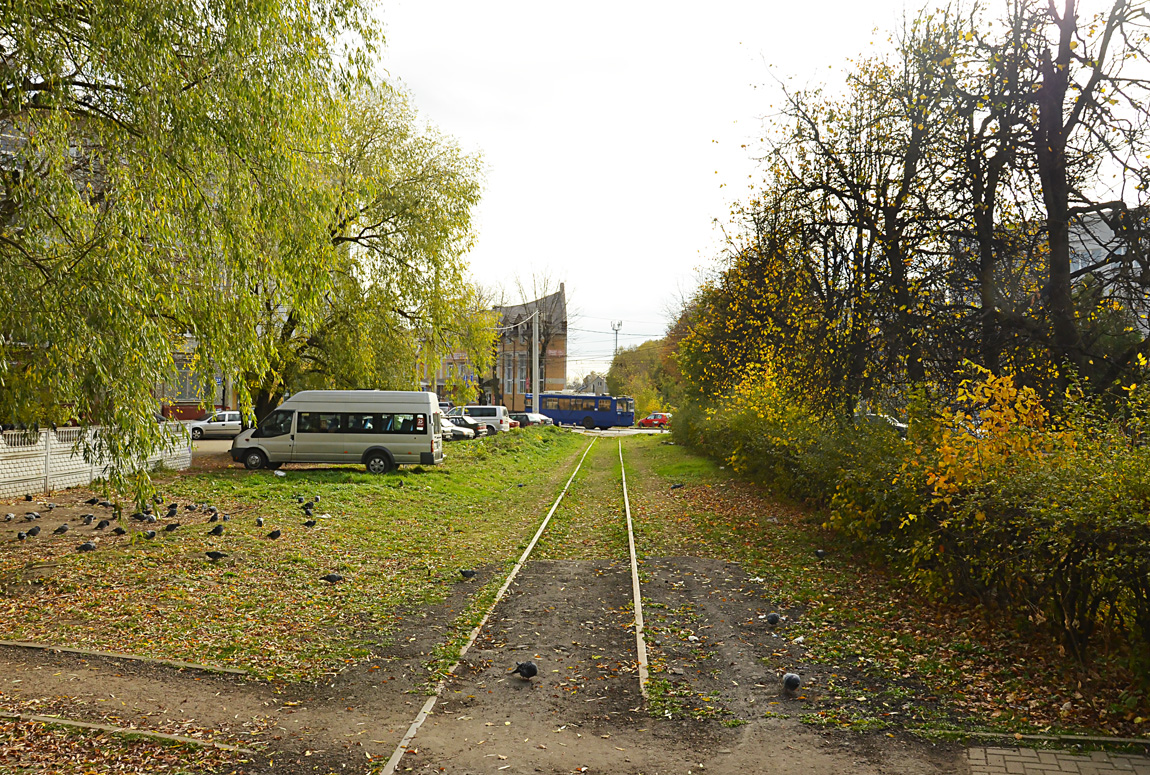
column 221, row 425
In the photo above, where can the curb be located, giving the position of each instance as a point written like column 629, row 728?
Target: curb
column 126, row 731
column 23, row 644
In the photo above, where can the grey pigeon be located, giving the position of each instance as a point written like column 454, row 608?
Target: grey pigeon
column 87, row 546
column 61, row 530
column 103, row 523
column 218, row 530
column 309, row 523
column 150, row 534
column 92, row 501
column 275, row 534
column 27, row 497
column 225, row 518
column 139, row 516
column 772, row 618
column 21, row 535
column 9, row 517
column 299, row 499
column 213, row 509
column 172, row 527
column 820, row 553
column 214, row 518
column 676, row 486
column 151, row 520
column 34, row 531
column 173, row 506
column 213, row 555
column 791, row 682
column 171, row 514
column 88, row 518
column 331, row 578
column 190, row 507
column 316, row 499
column 51, row 506
column 119, row 530
column 259, row 521
column 467, row 574
column 106, row 504
column 526, row 670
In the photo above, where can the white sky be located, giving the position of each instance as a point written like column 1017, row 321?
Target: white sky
column 612, row 133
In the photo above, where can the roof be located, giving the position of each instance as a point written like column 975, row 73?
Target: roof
column 552, row 307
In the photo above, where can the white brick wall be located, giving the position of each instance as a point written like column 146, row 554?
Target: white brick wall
column 23, row 457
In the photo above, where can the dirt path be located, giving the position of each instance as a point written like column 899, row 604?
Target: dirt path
column 356, row 716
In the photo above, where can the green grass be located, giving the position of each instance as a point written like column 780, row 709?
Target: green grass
column 589, row 523
column 397, row 539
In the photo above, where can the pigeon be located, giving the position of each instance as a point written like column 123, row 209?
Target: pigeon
column 139, row 516
column 173, row 506
column 259, row 521
column 21, row 535
column 190, row 507
column 307, row 507
column 27, row 497
column 88, row 518
column 9, row 517
column 87, row 546
column 213, row 555
column 51, row 506
column 309, row 523
column 61, row 530
column 218, row 530
column 103, row 523
column 172, row 527
column 213, row 509
column 157, row 499
column 315, row 499
column 106, row 504
column 171, row 514
column 791, row 682
column 820, row 553
column 331, row 578
column 299, row 499
column 119, row 530
column 676, row 485
column 225, row 518
column 30, row 517
column 214, row 518
column 275, row 534
column 525, row 670
column 151, row 520
column 772, row 618
column 92, row 501
column 467, row 574
column 34, row 531
column 150, row 534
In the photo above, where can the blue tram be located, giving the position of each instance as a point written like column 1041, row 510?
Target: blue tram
column 588, row 411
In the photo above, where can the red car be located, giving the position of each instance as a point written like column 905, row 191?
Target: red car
column 655, row 420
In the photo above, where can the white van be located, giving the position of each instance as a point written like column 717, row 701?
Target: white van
column 378, row 428
column 496, row 418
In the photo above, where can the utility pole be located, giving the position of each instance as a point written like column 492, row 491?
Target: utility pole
column 615, row 326
column 536, row 401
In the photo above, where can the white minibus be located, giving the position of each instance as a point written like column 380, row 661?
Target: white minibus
column 379, row 428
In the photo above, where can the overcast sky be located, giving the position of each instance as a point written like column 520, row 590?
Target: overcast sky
column 613, row 133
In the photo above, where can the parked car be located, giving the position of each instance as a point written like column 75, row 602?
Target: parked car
column 655, row 420
column 224, row 425
column 531, row 418
column 453, row 432
column 445, row 406
column 476, row 427
column 379, row 429
column 513, row 422
column 496, row 418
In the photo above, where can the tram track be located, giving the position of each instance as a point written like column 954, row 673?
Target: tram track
column 567, row 575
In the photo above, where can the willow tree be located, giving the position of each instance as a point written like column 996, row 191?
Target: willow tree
column 397, row 231
column 157, row 156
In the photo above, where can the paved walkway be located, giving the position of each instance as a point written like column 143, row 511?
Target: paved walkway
column 1027, row 761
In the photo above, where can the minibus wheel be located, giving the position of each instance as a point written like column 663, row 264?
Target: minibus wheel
column 254, row 459
column 377, row 463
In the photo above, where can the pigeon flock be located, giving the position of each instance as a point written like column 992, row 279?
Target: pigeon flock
column 148, row 517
